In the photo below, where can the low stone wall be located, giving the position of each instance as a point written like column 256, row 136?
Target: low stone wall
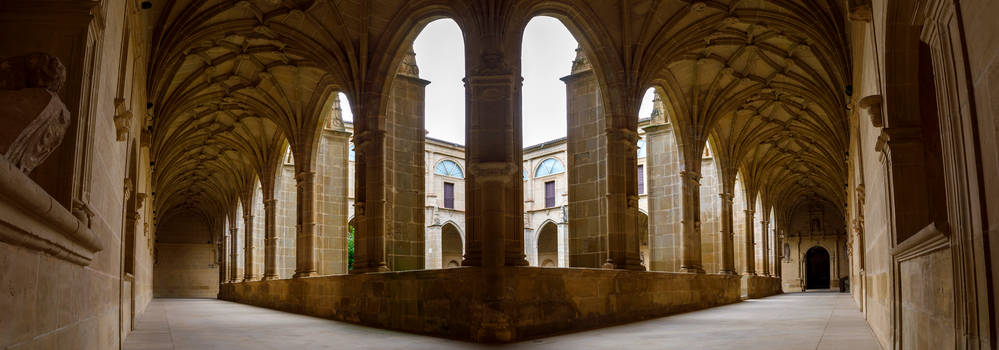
column 490, row 306
column 762, row 286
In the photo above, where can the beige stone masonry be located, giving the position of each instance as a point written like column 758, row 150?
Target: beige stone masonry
column 534, row 301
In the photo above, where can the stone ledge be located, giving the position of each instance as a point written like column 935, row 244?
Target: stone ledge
column 504, row 305
column 762, row 286
column 31, row 218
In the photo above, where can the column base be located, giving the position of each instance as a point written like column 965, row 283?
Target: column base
column 249, row 279
column 271, row 277
column 691, row 269
column 359, row 270
column 749, row 273
column 727, row 272
column 305, row 274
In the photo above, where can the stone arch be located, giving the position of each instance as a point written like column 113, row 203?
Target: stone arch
column 547, row 243
column 452, row 245
column 818, row 264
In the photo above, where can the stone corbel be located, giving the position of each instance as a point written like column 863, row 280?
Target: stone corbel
column 122, row 119
column 861, row 11
column 872, row 104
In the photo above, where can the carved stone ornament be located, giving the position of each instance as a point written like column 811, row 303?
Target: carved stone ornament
column 35, row 118
column 872, row 104
column 491, row 63
column 122, row 119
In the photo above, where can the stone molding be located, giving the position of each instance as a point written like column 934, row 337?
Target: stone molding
column 931, row 238
column 31, row 218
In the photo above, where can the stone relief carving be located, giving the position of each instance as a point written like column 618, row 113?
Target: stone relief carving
column 35, row 118
column 492, row 63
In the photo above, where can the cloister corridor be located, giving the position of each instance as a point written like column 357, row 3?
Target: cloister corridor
column 813, row 320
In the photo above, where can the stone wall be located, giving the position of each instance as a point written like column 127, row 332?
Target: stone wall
column 185, row 270
column 761, row 286
column 534, row 301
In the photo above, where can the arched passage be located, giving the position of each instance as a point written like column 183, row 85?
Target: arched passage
column 817, row 267
column 548, row 245
column 451, row 245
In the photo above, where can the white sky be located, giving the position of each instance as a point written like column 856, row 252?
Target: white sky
column 548, row 51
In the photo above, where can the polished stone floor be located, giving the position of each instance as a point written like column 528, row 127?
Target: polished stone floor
column 811, row 321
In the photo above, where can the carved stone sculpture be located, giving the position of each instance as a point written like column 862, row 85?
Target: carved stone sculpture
column 34, row 117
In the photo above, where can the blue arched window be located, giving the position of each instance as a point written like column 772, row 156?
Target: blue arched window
column 525, row 174
column 641, row 148
column 448, row 168
column 351, row 155
column 549, row 166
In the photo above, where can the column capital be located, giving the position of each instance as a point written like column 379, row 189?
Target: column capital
column 365, row 137
column 749, row 211
column 726, row 196
column 233, row 230
column 248, row 217
column 623, row 135
column 270, row 202
column 305, row 175
column 691, row 176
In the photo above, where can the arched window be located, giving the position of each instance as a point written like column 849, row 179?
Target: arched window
column 525, row 174
column 448, row 168
column 641, row 148
column 351, row 155
column 550, row 166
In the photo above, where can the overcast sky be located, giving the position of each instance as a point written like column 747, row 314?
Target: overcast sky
column 548, row 52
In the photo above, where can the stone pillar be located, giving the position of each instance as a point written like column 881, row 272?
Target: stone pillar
column 563, row 244
column 690, row 248
column 750, row 251
column 221, row 258
column 233, row 249
column 493, row 190
column 270, row 239
column 369, row 203
column 727, row 235
column 404, row 152
column 586, row 166
column 248, row 274
column 622, row 202
column 663, row 183
column 765, row 226
column 435, row 247
column 306, row 236
column 331, row 203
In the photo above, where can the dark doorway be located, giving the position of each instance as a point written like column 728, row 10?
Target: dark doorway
column 817, row 266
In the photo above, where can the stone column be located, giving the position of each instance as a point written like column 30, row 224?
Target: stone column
column 563, row 244
column 765, row 226
column 306, row 237
column 585, row 166
column 690, row 248
column 750, row 251
column 248, row 253
column 493, row 190
column 221, row 258
column 270, row 239
column 233, row 249
column 369, row 205
column 727, row 235
column 622, row 201
column 404, row 151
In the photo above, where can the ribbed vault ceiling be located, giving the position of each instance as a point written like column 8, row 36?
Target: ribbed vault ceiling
column 234, row 83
